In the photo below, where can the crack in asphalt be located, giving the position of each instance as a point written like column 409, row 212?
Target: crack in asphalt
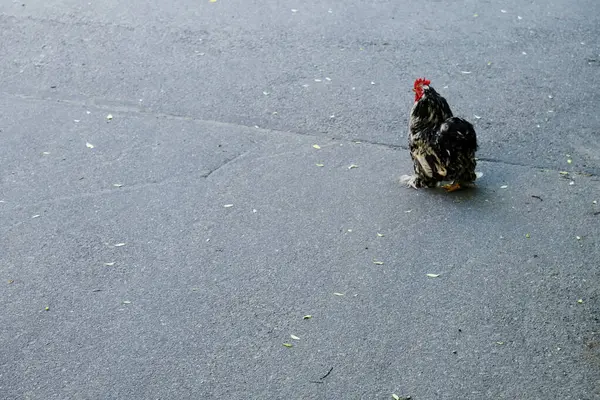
column 123, row 107
column 223, row 164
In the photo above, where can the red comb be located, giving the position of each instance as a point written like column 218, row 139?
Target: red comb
column 422, row 81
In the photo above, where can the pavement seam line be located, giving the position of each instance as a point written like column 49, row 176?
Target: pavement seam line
column 136, row 110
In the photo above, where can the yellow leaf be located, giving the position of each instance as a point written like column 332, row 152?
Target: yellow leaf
column 352, row 166
column 377, row 262
column 395, row 396
column 433, row 275
column 294, row 337
column 126, row 302
column 11, row 281
column 316, row 146
column 500, row 343
column 89, row 145
column 320, row 165
column 109, row 117
column 527, row 235
column 307, row 317
column 288, row 345
column 47, row 308
column 580, row 301
column 117, row 185
column 569, row 161
column 380, row 234
column 563, row 173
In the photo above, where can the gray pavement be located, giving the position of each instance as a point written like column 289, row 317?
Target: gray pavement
column 170, row 252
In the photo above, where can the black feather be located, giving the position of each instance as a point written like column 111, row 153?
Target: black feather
column 442, row 146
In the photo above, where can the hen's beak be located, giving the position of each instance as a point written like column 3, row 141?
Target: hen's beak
column 413, row 89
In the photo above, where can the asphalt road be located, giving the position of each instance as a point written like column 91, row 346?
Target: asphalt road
column 166, row 223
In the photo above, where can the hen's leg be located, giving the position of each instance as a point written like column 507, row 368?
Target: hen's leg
column 451, row 187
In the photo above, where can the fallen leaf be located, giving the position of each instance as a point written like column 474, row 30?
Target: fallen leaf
column 288, row 345
column 563, row 173
column 527, row 235
column 126, row 302
column 89, row 145
column 109, row 264
column 569, row 161
column 380, row 234
column 117, row 185
column 578, row 237
column 352, row 166
column 109, row 117
column 519, row 17
column 476, row 15
column 503, row 186
column 316, row 146
column 465, row 72
column 294, row 10
column 338, row 294
column 119, row 244
column 47, row 308
column 503, row 11
column 294, row 337
column 227, row 205
column 318, row 80
column 11, row 281
column 594, row 202
column 477, row 116
column 213, row 1
column 35, row 216
column 500, row 343
column 433, row 275
column 45, row 152
column 377, row 262
column 320, row 165
column 307, row 317
column 580, row 301
column 395, row 396
column 327, row 79
column 266, row 93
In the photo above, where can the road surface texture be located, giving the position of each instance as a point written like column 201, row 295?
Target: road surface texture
column 167, row 222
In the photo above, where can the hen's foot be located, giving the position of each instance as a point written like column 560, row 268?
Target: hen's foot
column 451, row 187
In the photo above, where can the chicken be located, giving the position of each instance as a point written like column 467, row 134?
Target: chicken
column 442, row 146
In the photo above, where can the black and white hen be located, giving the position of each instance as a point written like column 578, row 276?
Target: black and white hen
column 442, row 146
